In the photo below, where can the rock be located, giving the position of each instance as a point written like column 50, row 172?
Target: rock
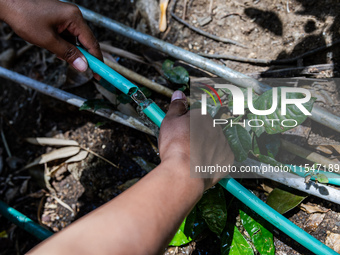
column 149, row 10
column 333, row 241
column 204, row 21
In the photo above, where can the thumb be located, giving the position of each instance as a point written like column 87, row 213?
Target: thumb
column 69, row 53
column 178, row 104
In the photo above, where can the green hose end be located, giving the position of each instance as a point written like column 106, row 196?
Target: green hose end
column 24, row 222
column 109, row 74
column 154, row 113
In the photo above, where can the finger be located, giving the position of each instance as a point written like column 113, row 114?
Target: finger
column 178, row 105
column 87, row 39
column 68, row 52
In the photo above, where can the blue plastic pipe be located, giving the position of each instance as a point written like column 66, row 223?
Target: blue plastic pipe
column 24, row 222
column 272, row 216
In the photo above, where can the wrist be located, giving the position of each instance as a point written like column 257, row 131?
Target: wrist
column 178, row 170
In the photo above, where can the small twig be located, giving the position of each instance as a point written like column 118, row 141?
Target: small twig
column 121, row 53
column 270, row 62
column 62, row 203
column 305, row 70
column 233, row 13
column 97, row 155
column 39, row 209
column 199, row 31
column 184, row 9
column 210, row 6
column 131, row 75
column 5, row 143
column 306, row 154
column 21, row 51
column 154, row 147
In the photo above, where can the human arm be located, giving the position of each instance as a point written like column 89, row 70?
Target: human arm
column 143, row 219
column 42, row 22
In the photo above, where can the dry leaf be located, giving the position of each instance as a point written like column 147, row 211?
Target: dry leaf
column 336, row 147
column 23, row 188
column 51, row 141
column 324, row 149
column 310, row 208
column 64, row 152
column 11, row 193
column 314, row 221
column 79, row 157
column 266, row 188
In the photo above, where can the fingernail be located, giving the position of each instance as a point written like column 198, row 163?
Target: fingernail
column 177, row 95
column 80, row 64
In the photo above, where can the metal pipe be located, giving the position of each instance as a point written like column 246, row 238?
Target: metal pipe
column 318, row 114
column 72, row 99
column 292, row 180
column 174, row 51
column 24, row 222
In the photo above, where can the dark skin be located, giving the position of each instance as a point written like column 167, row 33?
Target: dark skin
column 43, row 22
column 143, row 219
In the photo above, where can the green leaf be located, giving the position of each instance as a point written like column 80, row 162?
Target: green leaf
column 284, row 201
column 261, row 237
column 180, row 238
column 272, row 144
column 322, row 178
column 256, row 148
column 108, row 86
column 233, row 242
column 245, row 93
column 96, row 104
column 213, row 208
column 124, row 99
column 265, row 101
column 176, row 74
column 269, row 160
column 147, row 92
column 185, row 231
column 240, row 141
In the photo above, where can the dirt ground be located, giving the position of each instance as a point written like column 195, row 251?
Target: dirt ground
column 270, row 30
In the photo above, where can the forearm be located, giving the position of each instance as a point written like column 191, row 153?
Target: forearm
column 4, row 9
column 142, row 220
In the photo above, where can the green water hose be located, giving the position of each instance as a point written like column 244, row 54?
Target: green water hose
column 275, row 218
column 24, row 222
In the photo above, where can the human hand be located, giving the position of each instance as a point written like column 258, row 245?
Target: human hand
column 42, row 23
column 192, row 141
